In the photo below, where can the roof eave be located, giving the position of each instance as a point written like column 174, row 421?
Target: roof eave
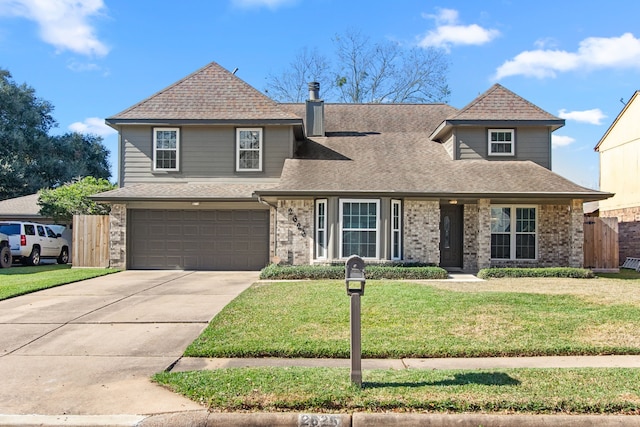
column 162, row 122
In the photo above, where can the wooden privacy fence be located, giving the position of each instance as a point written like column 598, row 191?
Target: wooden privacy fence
column 601, row 243
column 90, row 241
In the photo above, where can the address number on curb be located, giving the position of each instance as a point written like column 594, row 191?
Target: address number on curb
column 309, row 420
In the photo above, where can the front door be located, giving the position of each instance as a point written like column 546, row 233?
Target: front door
column 451, row 236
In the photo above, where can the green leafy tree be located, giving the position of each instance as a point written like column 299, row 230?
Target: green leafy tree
column 31, row 159
column 73, row 199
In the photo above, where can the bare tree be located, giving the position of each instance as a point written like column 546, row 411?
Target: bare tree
column 292, row 85
column 366, row 72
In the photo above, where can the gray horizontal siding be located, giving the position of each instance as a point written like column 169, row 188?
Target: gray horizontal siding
column 205, row 152
column 532, row 143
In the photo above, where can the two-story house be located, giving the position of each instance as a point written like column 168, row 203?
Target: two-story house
column 215, row 175
column 619, row 152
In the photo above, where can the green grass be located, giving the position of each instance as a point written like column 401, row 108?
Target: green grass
column 17, row 281
column 567, row 391
column 624, row 274
column 403, row 319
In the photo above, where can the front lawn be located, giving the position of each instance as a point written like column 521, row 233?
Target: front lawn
column 17, row 281
column 572, row 391
column 502, row 317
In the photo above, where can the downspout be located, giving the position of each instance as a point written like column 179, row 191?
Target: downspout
column 275, row 224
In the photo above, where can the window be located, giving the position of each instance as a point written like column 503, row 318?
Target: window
column 513, row 232
column 249, row 149
column 501, row 142
column 396, row 231
column 359, row 228
column 166, row 146
column 321, row 229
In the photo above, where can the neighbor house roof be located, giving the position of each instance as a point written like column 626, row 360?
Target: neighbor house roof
column 211, row 93
column 498, row 105
column 25, row 207
column 618, row 117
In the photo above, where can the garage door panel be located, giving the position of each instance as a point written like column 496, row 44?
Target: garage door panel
column 204, row 240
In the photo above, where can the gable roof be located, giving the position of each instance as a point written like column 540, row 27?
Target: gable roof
column 21, row 207
column 618, row 118
column 499, row 105
column 210, row 93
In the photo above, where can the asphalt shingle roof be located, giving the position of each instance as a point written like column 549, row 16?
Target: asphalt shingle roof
column 183, row 191
column 211, row 93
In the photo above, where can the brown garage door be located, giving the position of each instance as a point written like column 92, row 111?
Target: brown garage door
column 198, row 240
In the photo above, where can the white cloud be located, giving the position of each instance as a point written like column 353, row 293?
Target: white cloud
column 561, row 140
column 592, row 53
column 62, row 23
column 449, row 32
column 593, row 116
column 93, row 126
column 271, row 4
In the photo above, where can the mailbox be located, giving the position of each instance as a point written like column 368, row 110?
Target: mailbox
column 354, row 275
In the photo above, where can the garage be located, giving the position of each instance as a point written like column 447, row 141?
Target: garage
column 198, row 239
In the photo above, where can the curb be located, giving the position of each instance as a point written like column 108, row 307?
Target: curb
column 70, row 420
column 205, row 419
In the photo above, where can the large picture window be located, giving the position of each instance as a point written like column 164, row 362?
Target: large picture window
column 359, row 228
column 166, row 149
column 501, row 142
column 321, row 229
column 513, row 232
column 249, row 149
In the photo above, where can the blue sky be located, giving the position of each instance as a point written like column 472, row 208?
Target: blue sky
column 93, row 58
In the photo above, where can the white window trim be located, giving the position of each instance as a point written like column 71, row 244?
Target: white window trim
column 155, row 148
column 513, row 233
column 512, row 143
column 319, row 228
column 238, row 168
column 377, row 229
column 398, row 229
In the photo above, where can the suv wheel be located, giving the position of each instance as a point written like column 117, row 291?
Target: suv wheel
column 5, row 257
column 34, row 257
column 64, row 256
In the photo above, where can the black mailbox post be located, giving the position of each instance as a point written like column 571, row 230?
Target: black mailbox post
column 355, row 281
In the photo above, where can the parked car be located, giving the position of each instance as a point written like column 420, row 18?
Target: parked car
column 5, row 251
column 31, row 242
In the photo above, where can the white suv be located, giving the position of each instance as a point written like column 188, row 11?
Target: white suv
column 30, row 242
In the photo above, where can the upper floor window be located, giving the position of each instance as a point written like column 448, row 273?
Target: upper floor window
column 513, row 232
column 501, row 142
column 249, row 149
column 166, row 149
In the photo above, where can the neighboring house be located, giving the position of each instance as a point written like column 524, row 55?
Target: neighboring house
column 215, row 175
column 23, row 208
column 619, row 150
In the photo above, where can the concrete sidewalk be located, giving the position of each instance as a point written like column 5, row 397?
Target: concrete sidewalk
column 192, row 363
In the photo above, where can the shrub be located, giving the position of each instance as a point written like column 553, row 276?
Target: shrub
column 566, row 272
column 336, row 272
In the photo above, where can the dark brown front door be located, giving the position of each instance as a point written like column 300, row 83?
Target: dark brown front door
column 451, row 236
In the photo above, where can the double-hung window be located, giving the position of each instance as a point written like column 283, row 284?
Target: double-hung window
column 321, row 229
column 166, row 149
column 501, row 142
column 249, row 149
column 513, row 232
column 359, row 228
column 396, row 231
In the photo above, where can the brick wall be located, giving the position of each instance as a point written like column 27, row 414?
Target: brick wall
column 118, row 236
column 470, row 238
column 294, row 238
column 628, row 230
column 422, row 231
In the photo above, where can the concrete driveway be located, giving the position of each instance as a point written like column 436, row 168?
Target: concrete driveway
column 89, row 348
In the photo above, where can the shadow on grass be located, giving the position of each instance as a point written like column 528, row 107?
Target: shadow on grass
column 481, row 378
